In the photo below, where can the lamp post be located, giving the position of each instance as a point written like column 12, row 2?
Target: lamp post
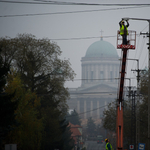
column 141, row 19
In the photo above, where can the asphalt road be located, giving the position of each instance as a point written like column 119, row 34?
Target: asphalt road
column 93, row 145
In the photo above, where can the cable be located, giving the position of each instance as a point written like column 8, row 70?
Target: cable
column 56, row 13
column 83, row 38
column 71, row 3
column 144, row 28
column 144, row 61
column 137, row 47
column 141, row 49
column 88, row 111
column 87, row 93
column 97, row 79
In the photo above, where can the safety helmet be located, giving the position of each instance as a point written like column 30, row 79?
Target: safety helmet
column 122, row 21
column 106, row 140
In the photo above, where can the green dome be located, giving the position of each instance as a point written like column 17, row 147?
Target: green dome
column 101, row 49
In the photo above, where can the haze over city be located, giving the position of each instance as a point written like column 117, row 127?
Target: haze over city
column 75, row 26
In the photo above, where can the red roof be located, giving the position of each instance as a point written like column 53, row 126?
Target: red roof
column 74, row 126
column 75, row 131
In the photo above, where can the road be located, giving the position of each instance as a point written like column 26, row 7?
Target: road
column 92, row 145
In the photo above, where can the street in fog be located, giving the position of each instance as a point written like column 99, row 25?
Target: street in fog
column 93, row 145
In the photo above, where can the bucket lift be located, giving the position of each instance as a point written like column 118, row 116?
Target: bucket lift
column 131, row 40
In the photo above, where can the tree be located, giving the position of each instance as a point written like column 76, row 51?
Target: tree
column 109, row 120
column 43, row 72
column 7, row 107
column 73, row 118
column 91, row 127
column 143, row 107
column 28, row 133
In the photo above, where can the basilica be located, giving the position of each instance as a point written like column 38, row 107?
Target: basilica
column 99, row 84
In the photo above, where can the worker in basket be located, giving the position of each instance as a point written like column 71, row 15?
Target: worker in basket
column 108, row 145
column 124, row 31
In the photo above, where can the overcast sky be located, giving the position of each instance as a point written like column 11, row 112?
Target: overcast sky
column 63, row 23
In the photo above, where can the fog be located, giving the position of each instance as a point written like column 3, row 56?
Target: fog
column 75, row 27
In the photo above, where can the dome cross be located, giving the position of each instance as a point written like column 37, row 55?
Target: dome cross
column 101, row 34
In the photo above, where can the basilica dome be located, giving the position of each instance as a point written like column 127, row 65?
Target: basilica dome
column 101, row 49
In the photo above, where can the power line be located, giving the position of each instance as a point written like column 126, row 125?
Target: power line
column 56, row 13
column 144, row 61
column 98, row 79
column 71, row 3
column 141, row 50
column 90, row 93
column 137, row 47
column 86, row 93
column 84, row 38
column 88, row 111
column 93, row 4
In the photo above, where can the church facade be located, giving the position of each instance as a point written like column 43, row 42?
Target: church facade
column 99, row 84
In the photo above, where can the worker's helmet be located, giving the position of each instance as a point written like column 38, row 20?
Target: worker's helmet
column 122, row 21
column 106, row 140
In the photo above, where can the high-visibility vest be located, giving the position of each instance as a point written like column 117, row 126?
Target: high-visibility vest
column 108, row 145
column 122, row 30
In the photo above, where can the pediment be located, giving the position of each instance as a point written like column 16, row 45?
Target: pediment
column 98, row 88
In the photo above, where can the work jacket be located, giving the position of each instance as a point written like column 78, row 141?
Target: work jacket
column 123, row 30
column 108, row 146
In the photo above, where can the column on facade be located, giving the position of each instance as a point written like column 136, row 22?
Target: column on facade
column 97, row 72
column 91, row 111
column 90, row 69
column 78, row 106
column 84, row 109
column 111, row 71
column 117, row 72
column 87, row 73
column 108, row 72
column 83, row 73
column 98, row 110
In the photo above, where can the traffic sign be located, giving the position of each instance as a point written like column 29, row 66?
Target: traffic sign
column 141, row 146
column 131, row 147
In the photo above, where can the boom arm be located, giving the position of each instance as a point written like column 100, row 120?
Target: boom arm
column 120, row 104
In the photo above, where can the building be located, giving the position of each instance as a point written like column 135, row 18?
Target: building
column 76, row 131
column 99, row 85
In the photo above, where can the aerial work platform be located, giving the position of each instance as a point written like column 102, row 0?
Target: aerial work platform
column 131, row 42
column 131, row 38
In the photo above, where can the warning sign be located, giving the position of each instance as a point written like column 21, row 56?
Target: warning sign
column 131, row 147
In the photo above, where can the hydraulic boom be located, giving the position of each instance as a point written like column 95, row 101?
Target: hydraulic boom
column 131, row 45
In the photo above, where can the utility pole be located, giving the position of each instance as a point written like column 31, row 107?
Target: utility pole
column 148, row 75
column 137, row 105
column 131, row 97
column 133, row 120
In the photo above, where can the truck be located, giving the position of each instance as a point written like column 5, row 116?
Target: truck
column 99, row 139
